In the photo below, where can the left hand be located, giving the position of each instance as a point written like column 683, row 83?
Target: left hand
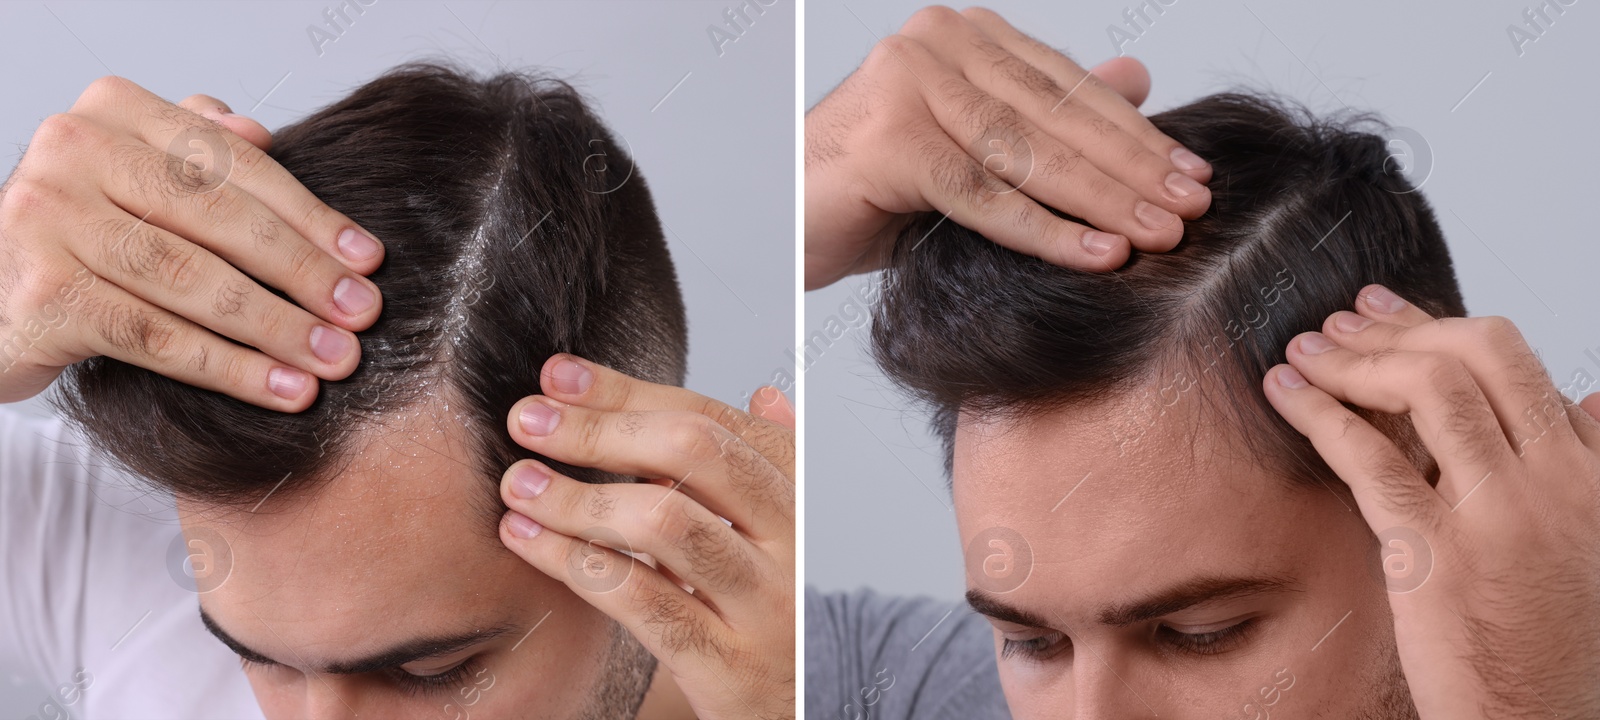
column 1507, row 622
column 729, row 643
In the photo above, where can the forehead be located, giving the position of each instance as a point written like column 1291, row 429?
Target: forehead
column 1132, row 492
column 394, row 546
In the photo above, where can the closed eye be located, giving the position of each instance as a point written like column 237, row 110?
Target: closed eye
column 1210, row 642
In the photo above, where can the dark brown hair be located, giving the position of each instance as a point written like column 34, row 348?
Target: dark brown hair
column 515, row 228
column 1304, row 213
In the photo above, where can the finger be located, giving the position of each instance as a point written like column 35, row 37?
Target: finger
column 1450, row 413
column 1058, row 168
column 1091, row 91
column 239, row 229
column 1529, row 410
column 1585, row 418
column 710, row 464
column 110, row 321
column 1127, row 77
column 577, row 381
column 1591, row 405
column 1069, row 173
column 769, row 403
column 1384, row 305
column 1387, row 488
column 1112, row 150
column 122, row 104
column 967, row 194
column 166, row 271
column 672, row 624
column 218, row 111
column 679, row 533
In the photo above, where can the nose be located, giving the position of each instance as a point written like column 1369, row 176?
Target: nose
column 1104, row 689
column 329, row 699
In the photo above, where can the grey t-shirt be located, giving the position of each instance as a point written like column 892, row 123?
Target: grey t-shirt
column 888, row 658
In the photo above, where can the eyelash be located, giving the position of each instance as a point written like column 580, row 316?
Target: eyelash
column 411, row 684
column 1036, row 649
column 419, row 684
column 1215, row 642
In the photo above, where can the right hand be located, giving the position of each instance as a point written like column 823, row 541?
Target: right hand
column 138, row 229
column 958, row 111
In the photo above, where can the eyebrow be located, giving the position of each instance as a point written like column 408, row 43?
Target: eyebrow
column 1170, row 600
column 392, row 657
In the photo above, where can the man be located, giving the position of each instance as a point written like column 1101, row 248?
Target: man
column 1161, row 518
column 377, row 551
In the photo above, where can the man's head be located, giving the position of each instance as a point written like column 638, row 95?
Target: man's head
column 363, row 531
column 1143, row 529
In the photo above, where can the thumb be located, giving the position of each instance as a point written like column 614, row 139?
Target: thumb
column 213, row 109
column 1127, row 76
column 1591, row 405
column 771, row 404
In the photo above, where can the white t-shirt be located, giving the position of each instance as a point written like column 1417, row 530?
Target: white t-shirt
column 89, row 606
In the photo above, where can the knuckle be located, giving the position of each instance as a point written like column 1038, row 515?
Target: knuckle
column 981, row 14
column 61, row 132
column 1028, row 77
column 103, row 88
column 180, row 270
column 590, row 437
column 698, row 440
column 1061, row 164
column 276, row 319
column 142, row 333
column 1105, row 190
column 222, row 203
column 1402, row 492
column 265, row 230
column 1498, row 335
column 960, row 178
column 720, row 413
column 599, row 503
column 893, row 53
column 232, row 370
column 231, row 299
column 671, row 519
column 302, row 261
column 23, row 199
column 1445, row 376
column 932, row 19
column 248, row 160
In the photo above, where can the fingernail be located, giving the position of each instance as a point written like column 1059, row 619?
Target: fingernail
column 1350, row 322
column 1315, row 343
column 1185, row 160
column 1153, row 217
column 1384, row 300
column 1181, row 185
column 352, row 297
column 330, row 346
column 1291, row 378
column 1100, row 243
column 356, row 246
column 528, row 481
column 286, row 383
column 521, row 526
column 539, row 419
column 570, row 377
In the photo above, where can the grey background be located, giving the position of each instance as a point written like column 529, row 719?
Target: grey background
column 1515, row 161
column 718, row 150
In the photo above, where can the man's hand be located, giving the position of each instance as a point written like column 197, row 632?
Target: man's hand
column 148, row 232
column 728, row 642
column 962, row 114
column 1506, row 622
